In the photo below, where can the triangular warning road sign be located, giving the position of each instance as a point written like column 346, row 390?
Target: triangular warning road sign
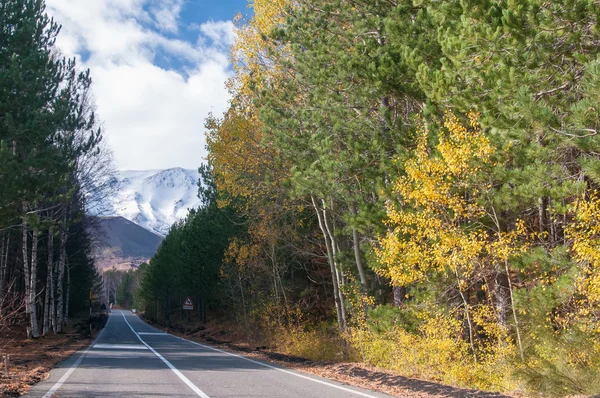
column 188, row 304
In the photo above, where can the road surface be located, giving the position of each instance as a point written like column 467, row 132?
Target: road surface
column 133, row 359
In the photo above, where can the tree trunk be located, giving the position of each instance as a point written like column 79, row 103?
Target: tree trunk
column 4, row 264
column 468, row 315
column 514, row 311
column 335, row 251
column 241, row 286
column 33, row 319
column 60, row 279
column 49, row 290
column 26, row 270
column 52, row 314
column 507, row 270
column 357, row 256
column 278, row 282
column 203, row 306
column 68, row 301
column 399, row 295
column 541, row 215
column 332, row 266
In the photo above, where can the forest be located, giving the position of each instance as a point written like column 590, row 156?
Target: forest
column 411, row 184
column 51, row 159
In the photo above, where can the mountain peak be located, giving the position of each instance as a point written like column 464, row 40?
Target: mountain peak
column 155, row 199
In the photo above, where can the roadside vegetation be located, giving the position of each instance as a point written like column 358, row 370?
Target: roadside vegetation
column 51, row 165
column 408, row 184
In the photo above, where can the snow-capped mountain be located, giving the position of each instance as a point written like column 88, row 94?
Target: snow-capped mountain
column 154, row 199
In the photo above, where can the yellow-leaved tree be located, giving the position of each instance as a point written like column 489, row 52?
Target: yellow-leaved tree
column 440, row 225
column 432, row 227
column 250, row 53
column 244, row 164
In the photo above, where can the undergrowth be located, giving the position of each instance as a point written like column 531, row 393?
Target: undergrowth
column 429, row 343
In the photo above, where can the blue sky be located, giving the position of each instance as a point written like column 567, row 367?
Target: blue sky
column 159, row 68
column 197, row 12
column 219, row 10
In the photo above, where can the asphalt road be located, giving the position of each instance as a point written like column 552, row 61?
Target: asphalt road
column 133, row 359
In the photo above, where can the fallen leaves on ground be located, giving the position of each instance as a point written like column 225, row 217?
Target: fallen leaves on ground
column 30, row 360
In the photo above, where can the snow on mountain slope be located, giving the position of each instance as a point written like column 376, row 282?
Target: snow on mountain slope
column 154, row 199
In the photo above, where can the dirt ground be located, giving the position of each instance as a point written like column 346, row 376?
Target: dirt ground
column 28, row 361
column 350, row 373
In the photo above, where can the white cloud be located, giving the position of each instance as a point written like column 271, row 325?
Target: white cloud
column 220, row 32
column 153, row 117
column 166, row 14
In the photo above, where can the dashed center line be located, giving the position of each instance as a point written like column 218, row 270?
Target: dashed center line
column 121, row 346
column 187, row 381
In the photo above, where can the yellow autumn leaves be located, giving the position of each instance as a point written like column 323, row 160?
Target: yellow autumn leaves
column 436, row 225
column 249, row 52
column 242, row 161
column 584, row 234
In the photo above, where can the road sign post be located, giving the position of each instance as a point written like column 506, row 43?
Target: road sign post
column 188, row 305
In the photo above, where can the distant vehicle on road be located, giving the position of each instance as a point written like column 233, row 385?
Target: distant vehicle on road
column 133, row 310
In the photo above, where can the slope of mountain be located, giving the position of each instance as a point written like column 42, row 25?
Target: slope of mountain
column 154, row 199
column 122, row 243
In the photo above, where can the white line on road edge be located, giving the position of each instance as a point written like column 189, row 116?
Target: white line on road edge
column 64, row 378
column 173, row 368
column 362, row 394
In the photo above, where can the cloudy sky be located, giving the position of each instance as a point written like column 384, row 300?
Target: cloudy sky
column 159, row 68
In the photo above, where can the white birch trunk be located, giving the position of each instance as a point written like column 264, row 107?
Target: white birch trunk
column 52, row 314
column 356, row 243
column 338, row 274
column 49, row 291
column 26, row 270
column 332, row 266
column 60, row 305
column 33, row 319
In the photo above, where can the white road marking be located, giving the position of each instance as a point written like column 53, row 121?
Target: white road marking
column 64, row 378
column 121, row 346
column 362, row 394
column 152, row 334
column 173, row 368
